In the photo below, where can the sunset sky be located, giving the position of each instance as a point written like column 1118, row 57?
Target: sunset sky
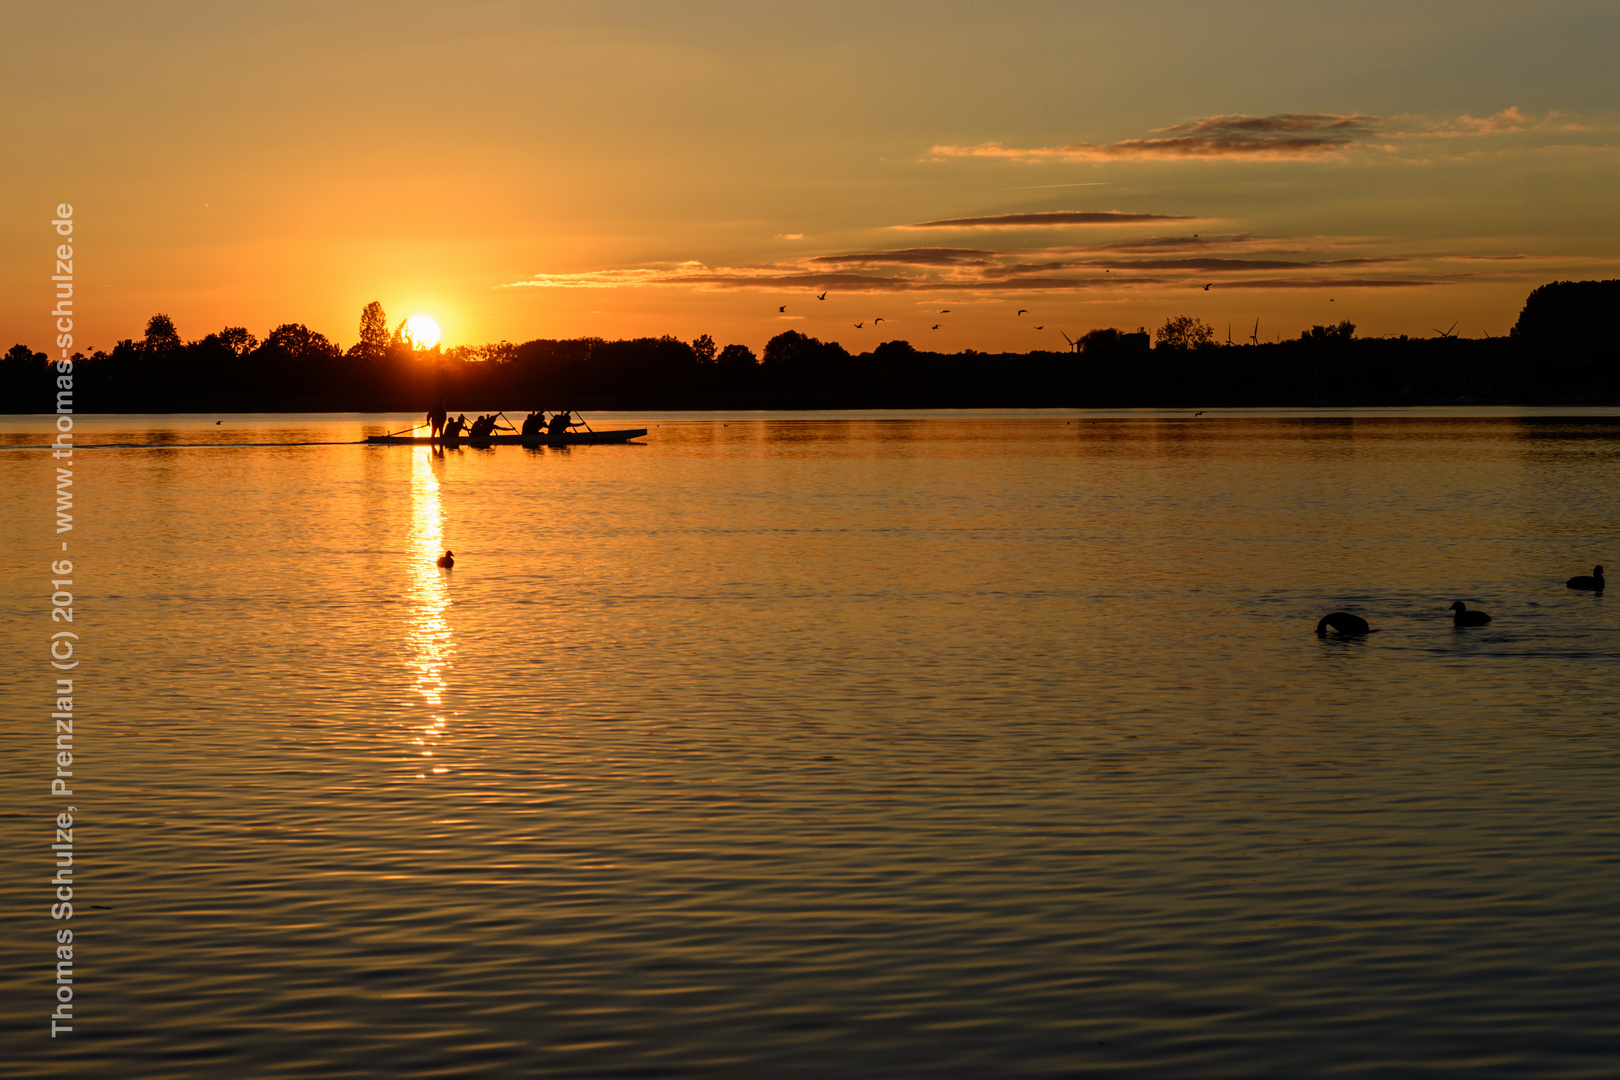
column 522, row 170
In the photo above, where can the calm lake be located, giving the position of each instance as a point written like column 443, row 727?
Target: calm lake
column 891, row 745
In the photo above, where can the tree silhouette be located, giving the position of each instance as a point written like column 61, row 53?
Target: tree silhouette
column 1183, row 332
column 704, row 348
column 25, row 379
column 1343, row 331
column 24, row 357
column 161, row 336
column 793, row 351
column 737, row 356
column 299, row 343
column 234, row 338
column 373, row 341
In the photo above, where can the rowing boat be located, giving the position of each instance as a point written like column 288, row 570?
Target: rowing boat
column 573, row 438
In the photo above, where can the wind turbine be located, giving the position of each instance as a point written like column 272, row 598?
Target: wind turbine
column 1255, row 337
column 1445, row 333
column 1073, row 344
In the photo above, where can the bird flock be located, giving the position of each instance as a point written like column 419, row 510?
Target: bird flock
column 781, row 309
column 1344, row 624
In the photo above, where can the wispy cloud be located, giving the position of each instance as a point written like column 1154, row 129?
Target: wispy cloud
column 908, row 257
column 1509, row 121
column 1048, row 219
column 1280, row 137
column 1285, row 135
column 1239, row 261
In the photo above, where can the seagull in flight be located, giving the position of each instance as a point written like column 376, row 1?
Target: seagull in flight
column 782, row 308
column 1206, row 287
column 944, row 311
column 821, row 296
column 1023, row 311
column 860, row 324
column 1040, row 328
column 877, row 320
column 936, row 326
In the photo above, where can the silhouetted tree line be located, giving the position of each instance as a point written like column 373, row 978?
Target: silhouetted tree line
column 1564, row 349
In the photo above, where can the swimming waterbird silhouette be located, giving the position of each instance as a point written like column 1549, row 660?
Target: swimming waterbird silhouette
column 1461, row 616
column 447, row 560
column 1594, row 581
column 1342, row 623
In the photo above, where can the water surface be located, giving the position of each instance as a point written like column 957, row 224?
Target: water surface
column 929, row 744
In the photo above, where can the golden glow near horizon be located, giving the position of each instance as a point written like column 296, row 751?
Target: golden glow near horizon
column 422, row 331
column 1097, row 164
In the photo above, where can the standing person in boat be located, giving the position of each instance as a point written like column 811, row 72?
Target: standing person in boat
column 436, row 417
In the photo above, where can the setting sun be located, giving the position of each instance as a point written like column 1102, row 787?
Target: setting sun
column 422, row 331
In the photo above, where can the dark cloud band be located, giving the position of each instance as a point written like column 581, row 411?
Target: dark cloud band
column 1047, row 218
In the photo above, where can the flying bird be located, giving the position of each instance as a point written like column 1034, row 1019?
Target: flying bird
column 944, row 311
column 782, row 308
column 936, row 326
column 860, row 324
column 1206, row 287
column 1040, row 328
column 877, row 320
column 821, row 296
column 1023, row 311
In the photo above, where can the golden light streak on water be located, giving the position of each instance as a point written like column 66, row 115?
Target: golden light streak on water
column 428, row 631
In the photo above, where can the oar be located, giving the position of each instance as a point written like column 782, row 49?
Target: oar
column 587, row 426
column 402, row 431
column 508, row 420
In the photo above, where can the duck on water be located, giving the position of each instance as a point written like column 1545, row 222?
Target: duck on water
column 1593, row 582
column 1344, row 624
column 1461, row 616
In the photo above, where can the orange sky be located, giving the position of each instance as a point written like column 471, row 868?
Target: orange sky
column 532, row 170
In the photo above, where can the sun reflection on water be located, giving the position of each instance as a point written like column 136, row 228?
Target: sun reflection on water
column 428, row 631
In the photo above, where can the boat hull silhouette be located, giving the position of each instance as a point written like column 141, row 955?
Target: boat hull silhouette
column 573, row 438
